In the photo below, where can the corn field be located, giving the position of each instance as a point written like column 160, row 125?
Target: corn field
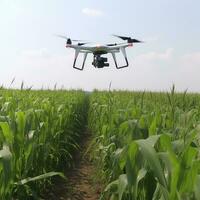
column 145, row 145
column 39, row 131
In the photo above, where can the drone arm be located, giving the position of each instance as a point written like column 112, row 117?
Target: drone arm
column 119, row 45
column 115, row 60
column 77, row 51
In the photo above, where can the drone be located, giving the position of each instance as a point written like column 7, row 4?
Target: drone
column 99, row 50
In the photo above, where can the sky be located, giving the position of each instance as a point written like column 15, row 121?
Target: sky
column 30, row 52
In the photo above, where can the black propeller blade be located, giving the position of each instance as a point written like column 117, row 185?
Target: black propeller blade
column 129, row 39
column 82, row 43
column 114, row 44
column 134, row 41
column 122, row 37
column 61, row 36
column 69, row 40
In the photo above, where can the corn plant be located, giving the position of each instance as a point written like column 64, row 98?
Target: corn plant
column 147, row 144
column 39, row 130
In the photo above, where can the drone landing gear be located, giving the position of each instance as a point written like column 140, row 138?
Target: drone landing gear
column 100, row 62
column 76, row 56
column 125, row 57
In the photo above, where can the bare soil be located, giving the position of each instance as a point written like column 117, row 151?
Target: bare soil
column 80, row 184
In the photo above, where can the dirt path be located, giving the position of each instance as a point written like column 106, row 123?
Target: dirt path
column 79, row 184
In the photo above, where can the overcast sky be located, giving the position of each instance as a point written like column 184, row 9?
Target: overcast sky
column 30, row 52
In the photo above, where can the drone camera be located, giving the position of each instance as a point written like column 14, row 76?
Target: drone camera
column 106, row 64
column 100, row 62
column 103, row 59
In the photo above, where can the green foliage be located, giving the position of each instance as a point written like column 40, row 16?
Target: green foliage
column 39, row 130
column 147, row 144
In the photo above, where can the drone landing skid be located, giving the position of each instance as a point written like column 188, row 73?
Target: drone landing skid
column 125, row 57
column 97, row 60
column 77, row 51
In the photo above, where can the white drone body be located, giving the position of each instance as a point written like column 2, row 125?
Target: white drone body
column 98, row 50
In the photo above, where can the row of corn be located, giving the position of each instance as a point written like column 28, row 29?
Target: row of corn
column 39, row 130
column 147, row 145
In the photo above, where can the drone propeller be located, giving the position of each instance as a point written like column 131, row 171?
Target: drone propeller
column 110, row 45
column 82, row 43
column 69, row 40
column 129, row 39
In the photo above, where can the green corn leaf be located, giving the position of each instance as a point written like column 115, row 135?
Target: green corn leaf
column 151, row 156
column 152, row 128
column 123, row 182
column 7, row 133
column 40, row 177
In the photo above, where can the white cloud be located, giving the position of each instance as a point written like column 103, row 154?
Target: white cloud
column 33, row 53
column 155, row 56
column 92, row 12
column 191, row 59
column 151, row 39
column 187, row 71
column 38, row 67
column 148, row 71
